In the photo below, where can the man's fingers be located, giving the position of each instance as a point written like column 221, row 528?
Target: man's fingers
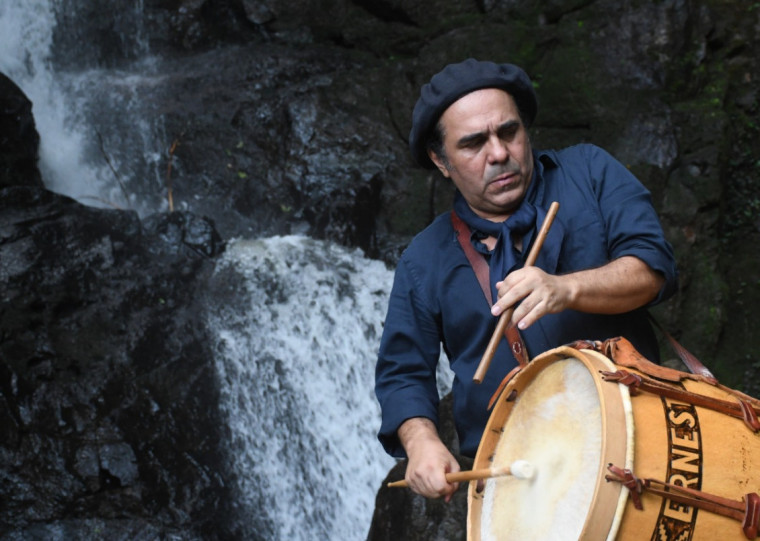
column 523, row 321
column 534, row 294
column 430, row 479
column 432, row 486
column 511, row 297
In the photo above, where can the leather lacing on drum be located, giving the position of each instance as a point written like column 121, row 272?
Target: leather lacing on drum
column 741, row 409
column 622, row 352
column 747, row 511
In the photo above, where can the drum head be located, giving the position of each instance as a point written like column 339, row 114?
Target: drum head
column 556, row 416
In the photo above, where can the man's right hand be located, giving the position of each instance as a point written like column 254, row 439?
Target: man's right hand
column 429, row 459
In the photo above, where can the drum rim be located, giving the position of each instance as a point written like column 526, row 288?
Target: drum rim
column 608, row 500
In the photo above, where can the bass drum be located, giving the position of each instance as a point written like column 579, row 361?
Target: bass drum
column 610, row 465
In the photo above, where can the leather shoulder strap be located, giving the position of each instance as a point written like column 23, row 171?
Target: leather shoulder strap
column 694, row 365
column 482, row 273
column 477, row 261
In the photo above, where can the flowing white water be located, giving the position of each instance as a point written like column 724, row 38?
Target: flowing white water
column 296, row 357
column 26, row 36
column 93, row 139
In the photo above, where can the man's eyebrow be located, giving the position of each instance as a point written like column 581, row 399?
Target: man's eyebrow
column 474, row 137
column 509, row 125
column 471, row 138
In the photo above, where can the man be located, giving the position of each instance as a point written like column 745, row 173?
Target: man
column 605, row 259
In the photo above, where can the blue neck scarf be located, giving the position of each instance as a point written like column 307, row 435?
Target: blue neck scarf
column 524, row 223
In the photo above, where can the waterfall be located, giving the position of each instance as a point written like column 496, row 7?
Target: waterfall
column 296, row 354
column 96, row 142
column 296, row 324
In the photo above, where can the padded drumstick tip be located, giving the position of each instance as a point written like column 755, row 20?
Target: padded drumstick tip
column 522, row 469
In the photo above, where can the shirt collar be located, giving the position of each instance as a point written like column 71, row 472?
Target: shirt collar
column 545, row 158
column 542, row 160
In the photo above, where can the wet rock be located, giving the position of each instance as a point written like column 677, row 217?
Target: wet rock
column 107, row 411
column 184, row 231
column 19, row 141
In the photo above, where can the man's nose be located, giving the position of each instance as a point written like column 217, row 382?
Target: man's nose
column 497, row 150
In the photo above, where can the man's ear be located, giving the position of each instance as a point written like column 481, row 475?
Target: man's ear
column 439, row 163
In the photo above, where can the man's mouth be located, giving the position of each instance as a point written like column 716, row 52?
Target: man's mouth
column 504, row 179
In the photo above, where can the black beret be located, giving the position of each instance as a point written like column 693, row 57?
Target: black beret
column 456, row 80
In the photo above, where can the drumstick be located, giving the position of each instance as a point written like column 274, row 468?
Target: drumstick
column 519, row 468
column 506, row 316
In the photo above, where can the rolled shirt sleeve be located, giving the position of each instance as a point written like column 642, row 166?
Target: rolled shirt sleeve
column 633, row 227
column 598, row 195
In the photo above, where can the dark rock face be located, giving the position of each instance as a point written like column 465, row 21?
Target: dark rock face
column 298, row 148
column 106, row 382
column 19, row 140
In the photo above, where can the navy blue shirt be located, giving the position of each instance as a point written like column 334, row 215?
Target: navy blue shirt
column 436, row 301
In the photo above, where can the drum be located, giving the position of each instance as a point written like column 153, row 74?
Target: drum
column 621, row 451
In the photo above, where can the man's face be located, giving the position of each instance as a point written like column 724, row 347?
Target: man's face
column 488, row 152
